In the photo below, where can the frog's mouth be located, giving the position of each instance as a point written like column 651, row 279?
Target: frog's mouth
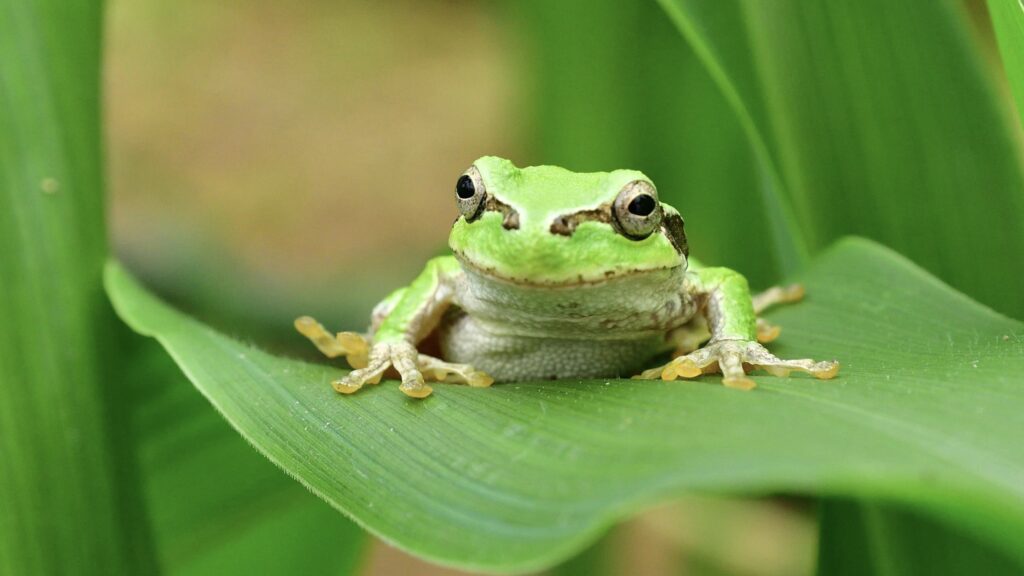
column 579, row 281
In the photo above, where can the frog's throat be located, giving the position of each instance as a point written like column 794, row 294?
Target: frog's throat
column 492, row 273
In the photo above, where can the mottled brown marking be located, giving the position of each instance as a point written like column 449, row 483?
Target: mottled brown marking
column 566, row 224
column 674, row 228
column 511, row 221
column 511, row 217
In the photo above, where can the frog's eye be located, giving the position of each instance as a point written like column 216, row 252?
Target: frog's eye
column 636, row 210
column 470, row 193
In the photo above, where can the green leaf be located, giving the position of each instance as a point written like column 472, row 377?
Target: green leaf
column 602, row 558
column 710, row 29
column 880, row 120
column 926, row 411
column 695, row 150
column 1008, row 20
column 665, row 117
column 67, row 490
column 216, row 505
column 871, row 539
column 565, row 46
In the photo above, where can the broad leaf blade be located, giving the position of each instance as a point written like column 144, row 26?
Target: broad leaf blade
column 518, row 476
column 665, row 117
column 215, row 504
column 882, row 122
column 68, row 501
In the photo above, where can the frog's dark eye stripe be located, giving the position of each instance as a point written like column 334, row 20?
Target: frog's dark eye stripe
column 635, row 213
column 511, row 217
column 566, row 224
column 674, row 228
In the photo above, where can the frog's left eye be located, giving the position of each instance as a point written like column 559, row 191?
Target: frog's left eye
column 470, row 193
column 636, row 210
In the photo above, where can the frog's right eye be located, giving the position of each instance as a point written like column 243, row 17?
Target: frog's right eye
column 636, row 210
column 470, row 193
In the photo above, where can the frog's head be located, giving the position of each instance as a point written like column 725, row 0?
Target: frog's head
column 546, row 225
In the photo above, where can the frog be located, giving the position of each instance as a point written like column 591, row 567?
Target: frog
column 555, row 274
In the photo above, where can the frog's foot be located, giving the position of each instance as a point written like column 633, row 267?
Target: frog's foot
column 442, row 371
column 414, row 369
column 730, row 357
column 690, row 336
column 777, row 295
column 766, row 331
column 352, row 346
column 383, row 355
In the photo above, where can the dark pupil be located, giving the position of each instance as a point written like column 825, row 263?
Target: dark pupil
column 642, row 205
column 464, row 188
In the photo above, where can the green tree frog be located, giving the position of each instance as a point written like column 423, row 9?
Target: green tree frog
column 557, row 274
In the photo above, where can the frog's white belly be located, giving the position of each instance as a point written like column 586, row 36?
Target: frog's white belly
column 510, row 357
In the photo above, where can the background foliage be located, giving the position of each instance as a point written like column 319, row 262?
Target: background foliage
column 69, row 494
column 775, row 128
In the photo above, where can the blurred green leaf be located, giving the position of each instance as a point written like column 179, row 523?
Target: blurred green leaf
column 710, row 29
column 602, row 558
column 649, row 104
column 880, row 121
column 875, row 540
column 217, row 506
column 520, row 476
column 585, row 115
column 69, row 502
column 696, row 151
column 1008, row 20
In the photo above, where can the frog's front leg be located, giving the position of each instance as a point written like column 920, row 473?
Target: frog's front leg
column 732, row 321
column 352, row 346
column 691, row 335
column 399, row 323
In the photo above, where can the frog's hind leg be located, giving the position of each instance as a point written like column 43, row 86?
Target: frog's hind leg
column 766, row 331
column 689, row 336
column 352, row 346
column 383, row 309
column 777, row 295
column 688, row 365
column 441, row 371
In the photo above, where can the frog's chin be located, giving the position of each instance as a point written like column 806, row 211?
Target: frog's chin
column 570, row 281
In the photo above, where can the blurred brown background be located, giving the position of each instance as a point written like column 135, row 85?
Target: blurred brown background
column 301, row 150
